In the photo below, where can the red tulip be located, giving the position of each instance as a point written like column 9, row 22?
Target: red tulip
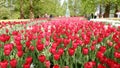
column 28, row 44
column 47, row 64
column 99, row 54
column 20, row 53
column 29, row 59
column 7, row 52
column 56, row 66
column 75, row 45
column 47, row 43
column 117, row 54
column 26, row 65
column 102, row 49
column 17, row 42
column 4, row 37
column 101, row 66
column 19, row 47
column 66, row 42
column 110, row 43
column 92, row 47
column 79, row 41
column 40, row 47
column 115, row 65
column 87, row 41
column 13, row 63
column 100, row 39
column 32, row 48
column 61, row 51
column 7, row 49
column 54, row 45
column 42, row 58
column 57, row 56
column 4, row 64
column 53, row 50
column 7, row 30
column 71, row 51
column 8, row 46
column 103, row 59
column 15, row 32
column 90, row 64
column 94, row 42
column 116, row 47
column 18, row 37
column 85, row 51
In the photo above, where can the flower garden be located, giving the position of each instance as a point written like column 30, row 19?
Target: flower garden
column 60, row 43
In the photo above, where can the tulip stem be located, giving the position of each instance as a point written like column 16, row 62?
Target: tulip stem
column 71, row 62
column 61, row 62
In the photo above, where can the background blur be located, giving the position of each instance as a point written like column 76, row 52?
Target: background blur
column 24, row 9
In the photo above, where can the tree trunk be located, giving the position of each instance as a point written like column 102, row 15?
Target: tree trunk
column 31, row 10
column 21, row 10
column 116, row 10
column 107, row 11
column 75, row 8
column 100, row 15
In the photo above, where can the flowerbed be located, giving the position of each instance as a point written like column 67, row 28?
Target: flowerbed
column 63, row 43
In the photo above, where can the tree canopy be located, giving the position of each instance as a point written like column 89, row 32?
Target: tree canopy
column 10, row 9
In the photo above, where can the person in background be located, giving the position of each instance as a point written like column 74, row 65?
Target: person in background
column 51, row 16
column 46, row 15
column 92, row 15
column 95, row 16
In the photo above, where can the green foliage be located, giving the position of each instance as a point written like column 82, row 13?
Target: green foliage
column 4, row 13
column 41, row 7
column 47, row 6
column 87, row 7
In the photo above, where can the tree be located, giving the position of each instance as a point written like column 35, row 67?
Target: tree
column 47, row 6
column 21, row 9
column 87, row 7
column 31, row 9
column 117, row 6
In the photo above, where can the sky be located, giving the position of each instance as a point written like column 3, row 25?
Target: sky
column 62, row 1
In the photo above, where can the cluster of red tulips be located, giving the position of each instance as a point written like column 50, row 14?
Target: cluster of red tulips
column 4, row 24
column 61, row 43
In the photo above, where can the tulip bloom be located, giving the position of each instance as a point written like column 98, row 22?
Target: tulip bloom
column 61, row 51
column 26, row 65
column 56, row 66
column 117, row 54
column 4, row 64
column 20, row 53
column 91, row 64
column 100, row 66
column 7, row 49
column 71, row 51
column 41, row 58
column 13, row 63
column 99, row 54
column 85, row 51
column 47, row 64
column 32, row 48
column 57, row 56
column 92, row 47
column 7, row 52
column 102, row 49
column 40, row 47
column 29, row 59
